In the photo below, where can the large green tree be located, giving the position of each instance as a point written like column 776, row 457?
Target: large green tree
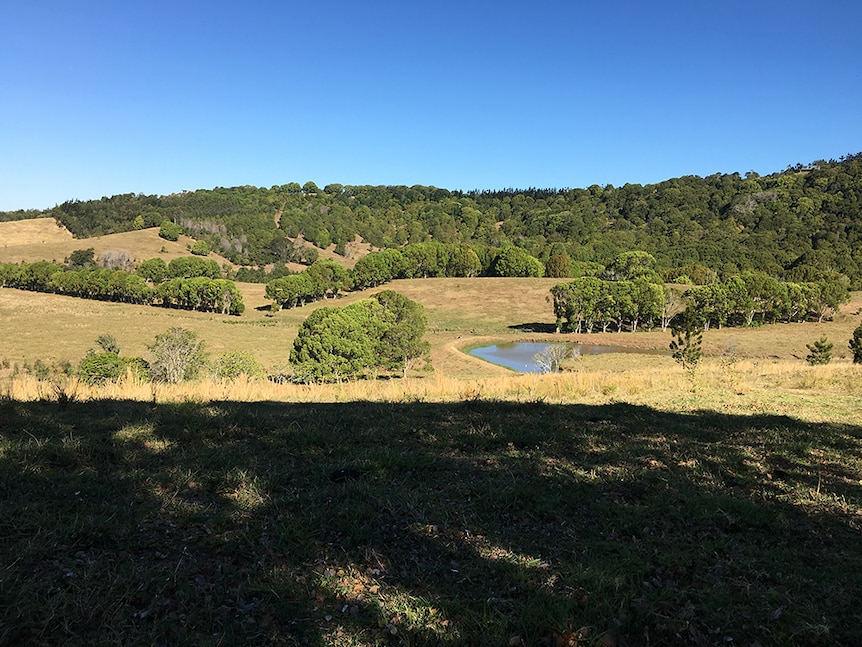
column 335, row 343
column 383, row 332
column 400, row 343
column 514, row 261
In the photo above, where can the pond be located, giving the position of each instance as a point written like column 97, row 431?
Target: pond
column 520, row 356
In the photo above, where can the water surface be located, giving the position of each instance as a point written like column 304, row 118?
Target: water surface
column 519, row 355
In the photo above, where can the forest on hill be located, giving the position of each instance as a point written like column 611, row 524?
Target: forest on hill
column 801, row 224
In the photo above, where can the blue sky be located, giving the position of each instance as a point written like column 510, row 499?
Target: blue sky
column 107, row 97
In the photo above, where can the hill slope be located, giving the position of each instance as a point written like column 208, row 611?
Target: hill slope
column 798, row 223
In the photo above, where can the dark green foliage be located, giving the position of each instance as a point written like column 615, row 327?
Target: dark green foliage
column 186, row 267
column 108, row 366
column 41, row 370
column 335, row 343
column 559, row 266
column 628, row 266
column 754, row 296
column 799, row 224
column 400, row 342
column 514, row 261
column 819, row 352
column 201, row 293
column 587, row 302
column 856, row 345
column 99, row 368
column 196, row 293
column 686, row 347
column 290, row 291
column 154, row 270
column 382, row 332
column 90, row 283
column 462, row 260
column 170, row 231
column 378, row 268
column 102, row 284
column 81, row 258
column 34, row 276
column 327, row 278
column 261, row 275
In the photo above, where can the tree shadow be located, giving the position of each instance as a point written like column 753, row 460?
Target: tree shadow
column 536, row 327
column 475, row 523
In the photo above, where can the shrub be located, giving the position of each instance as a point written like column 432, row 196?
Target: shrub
column 239, row 362
column 178, row 354
column 687, row 342
column 81, row 258
column 98, row 368
column 108, row 344
column 820, row 352
column 169, row 230
column 856, row 345
column 200, row 248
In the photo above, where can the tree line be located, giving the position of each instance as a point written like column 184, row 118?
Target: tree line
column 800, row 224
column 590, row 303
column 325, row 278
column 201, row 293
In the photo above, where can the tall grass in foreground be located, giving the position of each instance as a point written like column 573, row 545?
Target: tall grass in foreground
column 813, row 392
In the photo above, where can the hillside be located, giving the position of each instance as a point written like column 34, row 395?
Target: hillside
column 795, row 224
column 45, row 239
column 36, row 239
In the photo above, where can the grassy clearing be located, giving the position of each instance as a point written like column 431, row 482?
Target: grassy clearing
column 477, row 522
column 461, row 313
column 44, row 239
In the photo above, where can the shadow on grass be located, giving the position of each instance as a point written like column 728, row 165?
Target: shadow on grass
column 476, row 523
column 535, row 327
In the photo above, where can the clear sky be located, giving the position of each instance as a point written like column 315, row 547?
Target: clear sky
column 106, row 97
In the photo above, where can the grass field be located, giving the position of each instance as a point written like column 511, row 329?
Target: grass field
column 423, row 523
column 623, row 502
column 461, row 313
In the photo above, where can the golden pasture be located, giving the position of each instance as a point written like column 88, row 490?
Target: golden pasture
column 461, row 313
column 44, row 239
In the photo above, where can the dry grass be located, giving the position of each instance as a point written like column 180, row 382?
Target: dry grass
column 777, row 387
column 45, row 239
column 462, row 313
column 356, row 249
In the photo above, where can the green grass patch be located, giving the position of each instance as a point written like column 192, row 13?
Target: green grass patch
column 474, row 523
